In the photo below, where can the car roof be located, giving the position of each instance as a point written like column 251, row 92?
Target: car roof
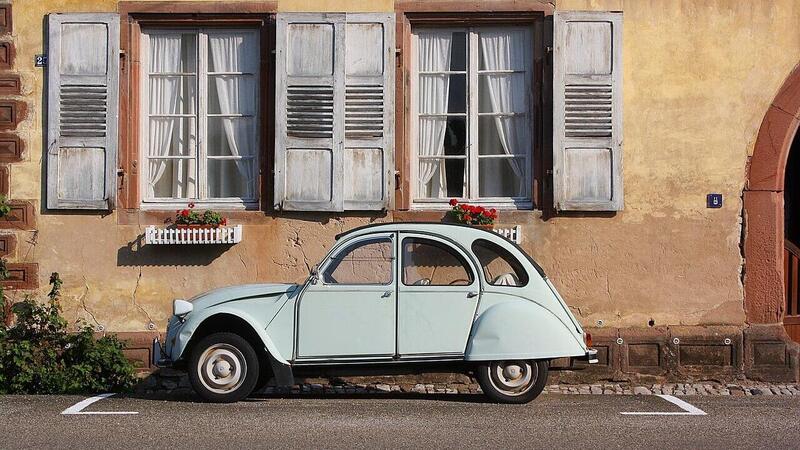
column 461, row 233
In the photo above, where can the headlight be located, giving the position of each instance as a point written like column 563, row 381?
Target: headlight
column 181, row 308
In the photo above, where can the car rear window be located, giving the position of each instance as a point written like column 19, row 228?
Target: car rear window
column 499, row 266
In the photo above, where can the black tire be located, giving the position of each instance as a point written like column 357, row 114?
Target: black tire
column 492, row 378
column 223, row 368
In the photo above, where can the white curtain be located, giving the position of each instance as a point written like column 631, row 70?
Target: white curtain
column 506, row 51
column 434, row 89
column 229, row 53
column 165, row 57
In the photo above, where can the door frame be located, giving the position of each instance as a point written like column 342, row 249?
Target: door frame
column 326, row 261
column 764, row 296
column 474, row 266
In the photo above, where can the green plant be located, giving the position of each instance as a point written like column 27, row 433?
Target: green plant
column 5, row 208
column 190, row 216
column 472, row 215
column 39, row 356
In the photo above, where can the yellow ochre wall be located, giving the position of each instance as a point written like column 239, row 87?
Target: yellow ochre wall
column 698, row 77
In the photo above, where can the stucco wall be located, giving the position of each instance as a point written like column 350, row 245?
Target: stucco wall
column 698, row 76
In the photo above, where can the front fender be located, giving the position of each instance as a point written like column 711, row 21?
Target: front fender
column 520, row 330
column 190, row 326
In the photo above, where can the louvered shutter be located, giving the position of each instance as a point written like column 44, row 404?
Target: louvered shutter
column 83, row 87
column 334, row 116
column 587, row 110
column 308, row 169
column 368, row 111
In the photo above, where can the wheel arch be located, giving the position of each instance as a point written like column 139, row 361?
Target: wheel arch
column 238, row 323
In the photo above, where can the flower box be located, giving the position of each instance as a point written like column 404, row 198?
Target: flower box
column 513, row 233
column 193, row 234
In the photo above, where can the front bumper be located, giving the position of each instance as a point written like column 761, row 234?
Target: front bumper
column 159, row 355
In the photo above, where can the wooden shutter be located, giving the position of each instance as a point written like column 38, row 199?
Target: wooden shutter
column 334, row 116
column 587, row 110
column 368, row 112
column 82, row 115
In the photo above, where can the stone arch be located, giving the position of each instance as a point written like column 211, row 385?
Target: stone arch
column 763, row 205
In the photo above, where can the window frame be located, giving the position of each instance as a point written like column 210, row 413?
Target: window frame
column 460, row 256
column 201, row 116
column 472, row 158
column 366, row 240
column 436, row 13
column 133, row 16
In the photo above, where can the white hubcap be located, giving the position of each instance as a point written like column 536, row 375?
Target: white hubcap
column 513, row 377
column 222, row 368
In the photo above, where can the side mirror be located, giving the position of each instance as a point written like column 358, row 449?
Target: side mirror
column 315, row 274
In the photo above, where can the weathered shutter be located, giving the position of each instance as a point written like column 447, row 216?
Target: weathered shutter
column 82, row 115
column 309, row 138
column 368, row 112
column 587, row 110
column 334, row 116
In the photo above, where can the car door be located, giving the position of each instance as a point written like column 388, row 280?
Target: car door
column 350, row 312
column 437, row 297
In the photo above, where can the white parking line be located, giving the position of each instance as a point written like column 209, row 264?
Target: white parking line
column 77, row 408
column 689, row 410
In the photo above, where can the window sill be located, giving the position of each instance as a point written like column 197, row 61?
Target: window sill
column 235, row 205
column 436, row 205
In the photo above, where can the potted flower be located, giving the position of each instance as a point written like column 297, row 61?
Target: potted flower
column 473, row 215
column 190, row 218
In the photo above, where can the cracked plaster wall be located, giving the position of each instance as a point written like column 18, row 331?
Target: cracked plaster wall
column 698, row 77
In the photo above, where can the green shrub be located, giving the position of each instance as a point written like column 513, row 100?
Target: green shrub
column 39, row 356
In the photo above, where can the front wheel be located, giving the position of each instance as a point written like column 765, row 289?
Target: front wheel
column 512, row 381
column 223, row 368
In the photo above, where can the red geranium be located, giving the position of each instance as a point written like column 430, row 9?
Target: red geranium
column 472, row 214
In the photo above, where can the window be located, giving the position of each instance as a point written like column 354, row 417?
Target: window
column 499, row 266
column 199, row 138
column 430, row 263
column 473, row 120
column 365, row 262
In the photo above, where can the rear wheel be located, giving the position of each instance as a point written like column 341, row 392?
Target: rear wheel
column 518, row 381
column 223, row 368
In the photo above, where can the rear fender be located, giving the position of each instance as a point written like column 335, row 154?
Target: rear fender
column 521, row 329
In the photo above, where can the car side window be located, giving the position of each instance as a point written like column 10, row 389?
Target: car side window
column 364, row 262
column 430, row 263
column 499, row 266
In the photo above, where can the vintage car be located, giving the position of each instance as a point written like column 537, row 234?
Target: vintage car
column 388, row 298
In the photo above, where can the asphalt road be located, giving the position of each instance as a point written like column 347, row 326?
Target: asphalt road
column 384, row 421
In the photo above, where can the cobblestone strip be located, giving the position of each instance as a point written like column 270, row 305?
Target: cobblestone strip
column 677, row 389
column 174, row 381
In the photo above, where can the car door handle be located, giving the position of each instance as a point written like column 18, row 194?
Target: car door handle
column 472, row 294
column 386, row 294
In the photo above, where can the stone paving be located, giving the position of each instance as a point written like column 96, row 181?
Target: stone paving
column 169, row 381
column 677, row 389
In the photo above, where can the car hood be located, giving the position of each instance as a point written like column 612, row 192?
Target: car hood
column 240, row 292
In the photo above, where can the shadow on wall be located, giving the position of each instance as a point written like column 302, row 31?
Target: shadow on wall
column 135, row 253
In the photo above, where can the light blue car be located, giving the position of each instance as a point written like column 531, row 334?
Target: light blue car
column 392, row 297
